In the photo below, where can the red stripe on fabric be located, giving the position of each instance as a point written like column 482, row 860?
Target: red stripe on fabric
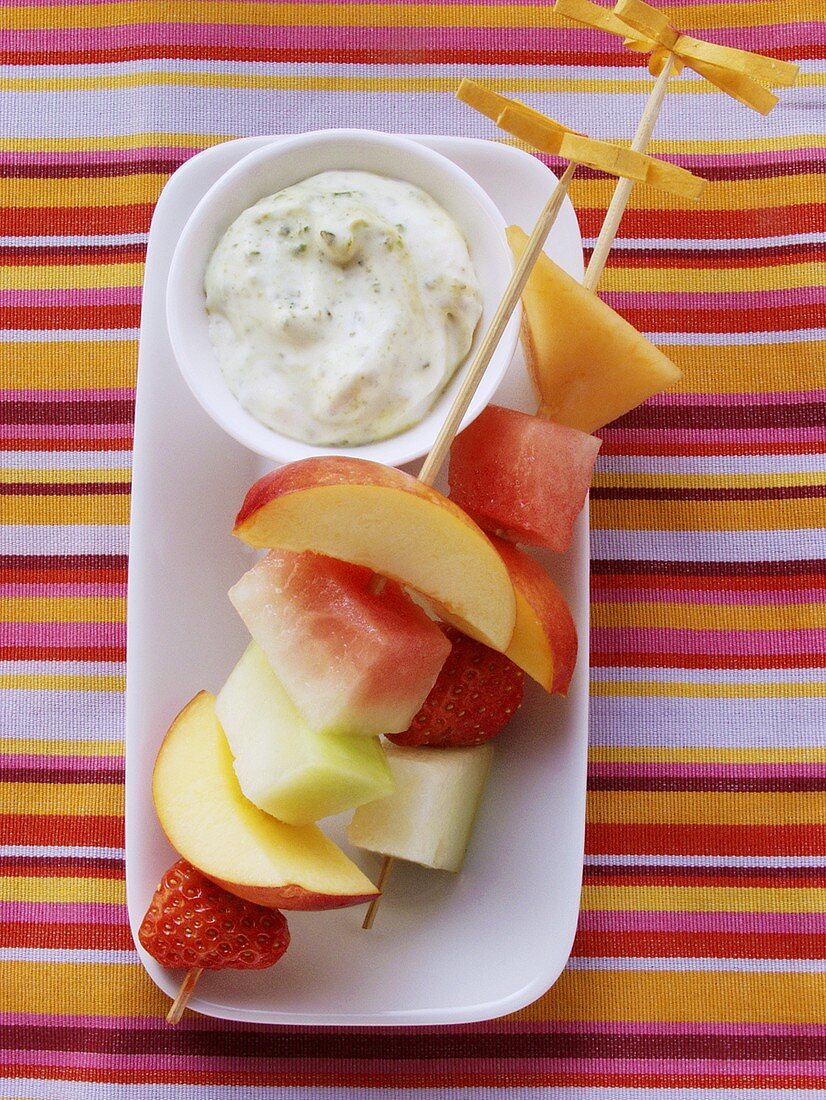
column 665, row 839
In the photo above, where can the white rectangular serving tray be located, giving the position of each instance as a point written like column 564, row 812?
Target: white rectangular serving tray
column 445, row 948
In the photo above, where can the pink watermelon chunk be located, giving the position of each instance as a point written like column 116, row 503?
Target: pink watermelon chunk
column 522, row 477
column 351, row 660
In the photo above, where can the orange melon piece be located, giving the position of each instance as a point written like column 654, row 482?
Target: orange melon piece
column 588, row 365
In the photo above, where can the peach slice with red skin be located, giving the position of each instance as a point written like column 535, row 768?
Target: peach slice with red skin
column 387, row 521
column 544, row 643
column 209, row 822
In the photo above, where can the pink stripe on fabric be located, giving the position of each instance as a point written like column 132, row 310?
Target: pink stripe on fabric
column 64, row 634
column 415, row 1067
column 52, row 590
column 547, row 39
column 67, row 431
column 737, row 400
column 730, row 301
column 84, row 296
column 745, row 643
column 713, row 596
column 116, row 393
column 58, row 912
column 752, row 436
column 600, row 920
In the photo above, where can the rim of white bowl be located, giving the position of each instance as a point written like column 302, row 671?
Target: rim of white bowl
column 210, row 219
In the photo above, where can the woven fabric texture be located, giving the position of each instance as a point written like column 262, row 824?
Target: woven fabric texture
column 698, row 968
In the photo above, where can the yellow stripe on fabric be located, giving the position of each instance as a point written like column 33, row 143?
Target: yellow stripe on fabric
column 749, row 368
column 54, row 510
column 93, row 989
column 724, row 195
column 63, row 682
column 70, row 888
column 54, row 365
column 710, row 808
column 30, row 276
column 64, row 609
column 143, row 187
column 51, row 747
column 686, row 690
column 712, row 515
column 64, row 798
column 695, row 996
column 692, row 280
column 705, row 481
column 704, row 16
column 707, row 616
column 704, row 899
column 143, row 139
column 635, row 754
column 80, row 476
column 244, row 79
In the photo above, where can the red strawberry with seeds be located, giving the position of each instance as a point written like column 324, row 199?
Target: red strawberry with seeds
column 475, row 695
column 193, row 924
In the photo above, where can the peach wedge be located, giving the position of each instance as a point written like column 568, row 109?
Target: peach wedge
column 209, row 822
column 386, row 520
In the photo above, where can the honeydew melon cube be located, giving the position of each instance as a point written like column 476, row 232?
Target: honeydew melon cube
column 284, row 767
column 354, row 661
column 429, row 816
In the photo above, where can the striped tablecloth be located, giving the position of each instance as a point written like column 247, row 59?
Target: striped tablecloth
column 698, row 967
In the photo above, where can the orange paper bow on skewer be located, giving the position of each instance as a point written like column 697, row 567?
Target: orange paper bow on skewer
column 740, row 74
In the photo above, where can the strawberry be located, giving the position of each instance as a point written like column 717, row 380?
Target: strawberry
column 192, row 923
column 474, row 696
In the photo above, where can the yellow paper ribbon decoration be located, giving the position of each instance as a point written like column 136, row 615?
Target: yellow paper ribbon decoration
column 644, row 29
column 549, row 136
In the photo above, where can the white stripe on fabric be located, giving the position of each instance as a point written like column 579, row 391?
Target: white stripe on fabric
column 93, row 240
column 705, row 244
column 736, row 339
column 63, row 668
column 710, row 675
column 48, row 851
column 632, row 721
column 65, row 460
column 241, row 111
column 74, row 957
column 725, row 465
column 797, row 544
column 704, row 861
column 36, row 715
column 66, row 335
column 70, row 538
column 681, row 964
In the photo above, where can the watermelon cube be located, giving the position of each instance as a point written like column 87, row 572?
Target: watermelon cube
column 354, row 661
column 522, row 477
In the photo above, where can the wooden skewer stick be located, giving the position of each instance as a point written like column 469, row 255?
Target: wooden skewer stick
column 438, row 452
column 184, row 993
column 622, row 191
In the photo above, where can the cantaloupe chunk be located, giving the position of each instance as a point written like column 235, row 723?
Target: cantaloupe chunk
column 588, row 365
column 284, row 767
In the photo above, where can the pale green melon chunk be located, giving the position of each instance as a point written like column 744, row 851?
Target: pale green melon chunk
column 429, row 817
column 283, row 766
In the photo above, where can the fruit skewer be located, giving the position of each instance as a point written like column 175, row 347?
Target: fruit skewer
column 578, row 150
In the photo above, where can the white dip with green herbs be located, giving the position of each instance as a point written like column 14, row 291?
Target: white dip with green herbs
column 340, row 307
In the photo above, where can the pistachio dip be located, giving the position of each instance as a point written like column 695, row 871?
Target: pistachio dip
column 340, row 307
